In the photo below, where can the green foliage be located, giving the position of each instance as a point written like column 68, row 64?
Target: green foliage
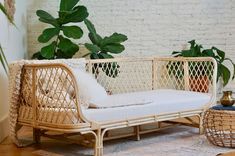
column 62, row 46
column 196, row 50
column 103, row 47
column 3, row 60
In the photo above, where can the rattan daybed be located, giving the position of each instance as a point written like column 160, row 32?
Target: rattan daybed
column 53, row 95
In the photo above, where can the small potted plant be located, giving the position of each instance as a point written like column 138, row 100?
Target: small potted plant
column 196, row 50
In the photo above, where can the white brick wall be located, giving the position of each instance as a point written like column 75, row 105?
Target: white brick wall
column 154, row 27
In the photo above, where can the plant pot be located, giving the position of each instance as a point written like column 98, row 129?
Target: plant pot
column 199, row 84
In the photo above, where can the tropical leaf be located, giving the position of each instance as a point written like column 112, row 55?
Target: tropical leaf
column 225, row 74
column 48, row 34
column 208, row 52
column 92, row 48
column 78, row 14
column 220, row 53
column 95, row 38
column 48, row 52
column 66, row 5
column 47, row 18
column 67, row 46
column 232, row 65
column 90, row 26
column 72, row 31
column 115, row 48
column 114, row 38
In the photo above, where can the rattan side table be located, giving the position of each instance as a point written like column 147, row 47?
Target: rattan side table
column 219, row 125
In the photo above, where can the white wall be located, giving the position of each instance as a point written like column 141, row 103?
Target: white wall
column 154, row 27
column 14, row 43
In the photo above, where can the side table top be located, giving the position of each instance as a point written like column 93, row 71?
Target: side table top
column 221, row 107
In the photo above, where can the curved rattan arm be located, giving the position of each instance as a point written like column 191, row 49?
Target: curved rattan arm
column 50, row 87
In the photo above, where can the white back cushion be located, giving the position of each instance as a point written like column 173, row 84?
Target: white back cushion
column 90, row 90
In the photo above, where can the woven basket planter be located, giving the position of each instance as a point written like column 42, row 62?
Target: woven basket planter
column 219, row 127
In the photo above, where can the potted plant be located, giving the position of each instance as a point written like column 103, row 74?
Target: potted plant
column 196, row 50
column 103, row 48
column 61, row 30
column 61, row 34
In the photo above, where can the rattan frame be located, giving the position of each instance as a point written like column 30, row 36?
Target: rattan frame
column 219, row 127
column 98, row 130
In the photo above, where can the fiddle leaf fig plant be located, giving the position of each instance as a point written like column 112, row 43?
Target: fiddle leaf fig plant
column 61, row 32
column 196, row 50
column 103, row 47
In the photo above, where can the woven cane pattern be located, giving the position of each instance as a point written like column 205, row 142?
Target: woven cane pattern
column 220, row 127
column 123, row 76
column 55, row 97
column 47, row 94
column 191, row 75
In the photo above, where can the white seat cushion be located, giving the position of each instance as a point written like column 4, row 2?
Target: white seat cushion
column 164, row 101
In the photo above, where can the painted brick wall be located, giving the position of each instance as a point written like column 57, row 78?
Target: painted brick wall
column 154, row 27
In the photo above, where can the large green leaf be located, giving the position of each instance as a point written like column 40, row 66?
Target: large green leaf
column 67, row 46
column 208, row 52
column 232, row 65
column 220, row 53
column 94, row 56
column 48, row 52
column 66, row 5
column 192, row 43
column 95, row 38
column 78, row 14
column 72, row 31
column 92, row 48
column 47, row 18
column 90, row 26
column 186, row 53
column 225, row 73
column 48, row 34
column 115, row 48
column 114, row 38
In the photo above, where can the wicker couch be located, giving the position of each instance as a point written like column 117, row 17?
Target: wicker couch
column 160, row 89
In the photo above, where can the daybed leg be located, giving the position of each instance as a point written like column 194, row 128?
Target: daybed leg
column 99, row 143
column 201, row 129
column 36, row 135
column 137, row 132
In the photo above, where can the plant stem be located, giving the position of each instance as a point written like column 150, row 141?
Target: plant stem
column 3, row 60
column 56, row 42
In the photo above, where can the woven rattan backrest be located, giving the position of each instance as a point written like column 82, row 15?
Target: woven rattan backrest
column 123, row 75
column 192, row 74
column 140, row 74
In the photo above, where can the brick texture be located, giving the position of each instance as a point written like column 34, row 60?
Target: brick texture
column 154, row 27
